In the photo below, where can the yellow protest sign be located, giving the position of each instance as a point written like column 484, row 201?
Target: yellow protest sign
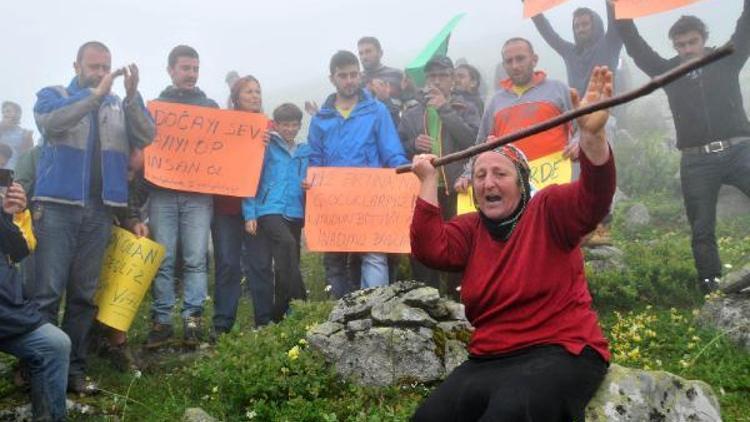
column 550, row 169
column 465, row 202
column 359, row 210
column 129, row 266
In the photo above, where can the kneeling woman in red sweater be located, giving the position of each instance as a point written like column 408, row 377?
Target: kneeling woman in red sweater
column 537, row 352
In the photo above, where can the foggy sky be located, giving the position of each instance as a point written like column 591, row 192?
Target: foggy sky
column 285, row 44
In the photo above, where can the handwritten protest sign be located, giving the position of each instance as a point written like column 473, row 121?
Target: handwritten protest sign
column 359, row 210
column 535, row 7
column 205, row 150
column 550, row 169
column 128, row 268
column 630, row 9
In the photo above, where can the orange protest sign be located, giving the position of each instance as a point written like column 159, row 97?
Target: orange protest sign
column 359, row 210
column 535, row 7
column 205, row 150
column 629, row 9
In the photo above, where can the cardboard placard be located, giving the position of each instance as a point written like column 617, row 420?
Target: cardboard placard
column 205, row 150
column 359, row 209
column 630, row 9
column 128, row 268
column 534, row 7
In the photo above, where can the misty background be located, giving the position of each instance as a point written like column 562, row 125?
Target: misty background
column 286, row 44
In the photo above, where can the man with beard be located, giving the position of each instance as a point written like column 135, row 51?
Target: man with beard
column 527, row 97
column 352, row 129
column 370, row 54
column 592, row 47
column 713, row 132
column 180, row 221
column 442, row 124
column 82, row 174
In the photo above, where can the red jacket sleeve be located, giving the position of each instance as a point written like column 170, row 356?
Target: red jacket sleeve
column 437, row 244
column 575, row 209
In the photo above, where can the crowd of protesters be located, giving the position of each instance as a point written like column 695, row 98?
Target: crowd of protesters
column 86, row 175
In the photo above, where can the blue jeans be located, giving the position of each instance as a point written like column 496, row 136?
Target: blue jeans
column 185, row 218
column 341, row 275
column 71, row 241
column 702, row 176
column 46, row 352
column 226, row 233
column 258, row 264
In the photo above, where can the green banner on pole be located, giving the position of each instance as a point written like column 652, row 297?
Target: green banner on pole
column 438, row 45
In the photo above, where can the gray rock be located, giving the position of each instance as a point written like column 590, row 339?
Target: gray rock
column 637, row 216
column 23, row 413
column 618, row 197
column 736, row 281
column 386, row 335
column 605, row 258
column 386, row 355
column 398, row 314
column 423, row 297
column 729, row 314
column 358, row 325
column 636, row 395
column 196, row 414
column 455, row 355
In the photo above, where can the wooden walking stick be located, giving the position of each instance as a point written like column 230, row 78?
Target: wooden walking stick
column 655, row 83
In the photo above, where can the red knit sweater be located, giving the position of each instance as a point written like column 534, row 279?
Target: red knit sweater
column 530, row 290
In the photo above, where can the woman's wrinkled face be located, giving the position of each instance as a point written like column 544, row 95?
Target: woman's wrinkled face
column 495, row 183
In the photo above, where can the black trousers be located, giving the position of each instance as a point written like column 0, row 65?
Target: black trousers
column 544, row 383
column 702, row 176
column 284, row 238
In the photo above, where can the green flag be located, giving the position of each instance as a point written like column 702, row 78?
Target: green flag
column 438, row 45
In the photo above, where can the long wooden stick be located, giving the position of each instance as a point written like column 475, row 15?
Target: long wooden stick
column 654, row 84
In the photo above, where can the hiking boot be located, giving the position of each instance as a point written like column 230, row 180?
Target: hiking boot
column 81, row 385
column 192, row 331
column 709, row 285
column 159, row 335
column 121, row 357
column 22, row 376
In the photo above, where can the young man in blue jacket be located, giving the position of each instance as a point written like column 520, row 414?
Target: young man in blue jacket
column 276, row 213
column 352, row 129
column 81, row 175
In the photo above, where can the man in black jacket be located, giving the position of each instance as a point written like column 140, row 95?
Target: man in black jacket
column 43, row 348
column 440, row 125
column 713, row 131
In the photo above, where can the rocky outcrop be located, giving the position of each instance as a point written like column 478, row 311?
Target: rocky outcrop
column 729, row 314
column 402, row 332
column 655, row 396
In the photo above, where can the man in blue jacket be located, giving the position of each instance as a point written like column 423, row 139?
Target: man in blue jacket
column 353, row 130
column 81, row 174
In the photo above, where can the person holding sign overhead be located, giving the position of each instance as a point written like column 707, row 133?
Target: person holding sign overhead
column 537, row 351
column 353, row 130
column 81, row 176
column 180, row 221
column 713, row 131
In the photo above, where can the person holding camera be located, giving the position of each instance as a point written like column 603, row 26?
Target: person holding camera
column 439, row 124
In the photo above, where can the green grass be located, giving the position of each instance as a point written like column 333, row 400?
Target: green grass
column 646, row 310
